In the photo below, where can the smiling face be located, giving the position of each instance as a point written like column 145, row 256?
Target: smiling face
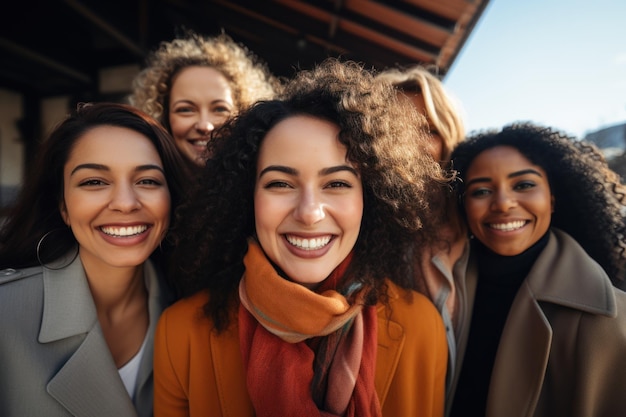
column 116, row 199
column 201, row 100
column 308, row 199
column 507, row 200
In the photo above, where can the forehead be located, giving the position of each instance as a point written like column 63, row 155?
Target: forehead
column 200, row 80
column 501, row 159
column 113, row 145
column 303, row 139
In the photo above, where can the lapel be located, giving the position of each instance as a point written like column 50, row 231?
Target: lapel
column 390, row 341
column 521, row 361
column 88, row 383
column 565, row 275
column 229, row 372
column 158, row 299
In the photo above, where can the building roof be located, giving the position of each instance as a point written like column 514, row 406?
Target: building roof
column 58, row 47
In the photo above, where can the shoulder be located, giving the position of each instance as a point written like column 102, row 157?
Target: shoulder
column 402, row 301
column 11, row 275
column 186, row 310
column 410, row 309
column 181, row 325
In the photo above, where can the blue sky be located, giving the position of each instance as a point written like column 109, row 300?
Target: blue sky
column 560, row 63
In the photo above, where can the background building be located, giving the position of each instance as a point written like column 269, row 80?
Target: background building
column 56, row 53
column 612, row 142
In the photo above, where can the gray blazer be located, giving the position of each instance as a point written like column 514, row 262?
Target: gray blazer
column 54, row 360
column 563, row 348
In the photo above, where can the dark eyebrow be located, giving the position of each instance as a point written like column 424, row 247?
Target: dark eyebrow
column 101, row 167
column 339, row 168
column 511, row 175
column 279, row 168
column 292, row 171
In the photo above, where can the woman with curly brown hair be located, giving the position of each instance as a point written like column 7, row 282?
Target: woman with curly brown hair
column 541, row 325
column 193, row 84
column 294, row 247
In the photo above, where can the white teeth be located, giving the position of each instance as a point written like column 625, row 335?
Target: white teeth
column 507, row 227
column 124, row 231
column 200, row 142
column 309, row 244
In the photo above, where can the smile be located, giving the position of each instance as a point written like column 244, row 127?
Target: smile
column 124, row 231
column 198, row 142
column 308, row 244
column 507, row 227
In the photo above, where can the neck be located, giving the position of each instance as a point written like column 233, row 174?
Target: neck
column 115, row 289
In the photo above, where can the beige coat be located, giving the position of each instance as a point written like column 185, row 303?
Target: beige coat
column 563, row 348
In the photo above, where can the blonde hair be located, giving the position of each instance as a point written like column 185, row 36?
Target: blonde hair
column 249, row 78
column 442, row 112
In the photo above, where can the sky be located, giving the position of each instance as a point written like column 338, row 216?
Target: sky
column 559, row 63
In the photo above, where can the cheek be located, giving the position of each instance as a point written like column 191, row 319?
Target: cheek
column 165, row 209
column 178, row 125
column 474, row 211
column 266, row 214
column 351, row 213
column 544, row 212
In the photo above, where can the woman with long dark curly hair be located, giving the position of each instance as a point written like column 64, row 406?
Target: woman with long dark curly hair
column 541, row 322
column 295, row 247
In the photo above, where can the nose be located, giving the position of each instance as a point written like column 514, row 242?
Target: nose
column 124, row 198
column 310, row 208
column 204, row 126
column 503, row 201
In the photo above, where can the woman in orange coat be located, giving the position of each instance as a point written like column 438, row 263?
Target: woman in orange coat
column 292, row 253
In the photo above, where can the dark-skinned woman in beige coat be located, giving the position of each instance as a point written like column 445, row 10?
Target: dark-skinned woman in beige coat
column 542, row 326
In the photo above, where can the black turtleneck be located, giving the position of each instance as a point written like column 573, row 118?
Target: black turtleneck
column 499, row 279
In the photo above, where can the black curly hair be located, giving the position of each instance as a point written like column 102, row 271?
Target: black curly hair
column 385, row 141
column 589, row 198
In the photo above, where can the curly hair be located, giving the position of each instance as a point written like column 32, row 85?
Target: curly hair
column 589, row 199
column 441, row 110
column 249, row 78
column 380, row 133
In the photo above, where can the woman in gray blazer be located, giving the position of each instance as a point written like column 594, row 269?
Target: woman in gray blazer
column 542, row 326
column 80, row 253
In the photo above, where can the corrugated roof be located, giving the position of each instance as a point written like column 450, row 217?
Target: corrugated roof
column 53, row 47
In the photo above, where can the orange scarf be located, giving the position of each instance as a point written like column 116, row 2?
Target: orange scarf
column 305, row 353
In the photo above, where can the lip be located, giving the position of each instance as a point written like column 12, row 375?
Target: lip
column 306, row 252
column 126, row 234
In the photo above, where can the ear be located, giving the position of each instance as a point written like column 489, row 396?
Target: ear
column 63, row 211
column 552, row 204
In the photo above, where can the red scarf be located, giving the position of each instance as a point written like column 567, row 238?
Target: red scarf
column 305, row 353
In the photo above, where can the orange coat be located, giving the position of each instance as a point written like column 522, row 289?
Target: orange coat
column 200, row 373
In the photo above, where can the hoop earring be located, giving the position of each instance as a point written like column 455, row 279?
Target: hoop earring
column 52, row 265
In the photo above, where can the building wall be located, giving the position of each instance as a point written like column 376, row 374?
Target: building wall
column 113, row 82
column 11, row 148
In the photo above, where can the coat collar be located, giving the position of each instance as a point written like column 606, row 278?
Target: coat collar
column 84, row 384
column 391, row 339
column 564, row 274
column 68, row 309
